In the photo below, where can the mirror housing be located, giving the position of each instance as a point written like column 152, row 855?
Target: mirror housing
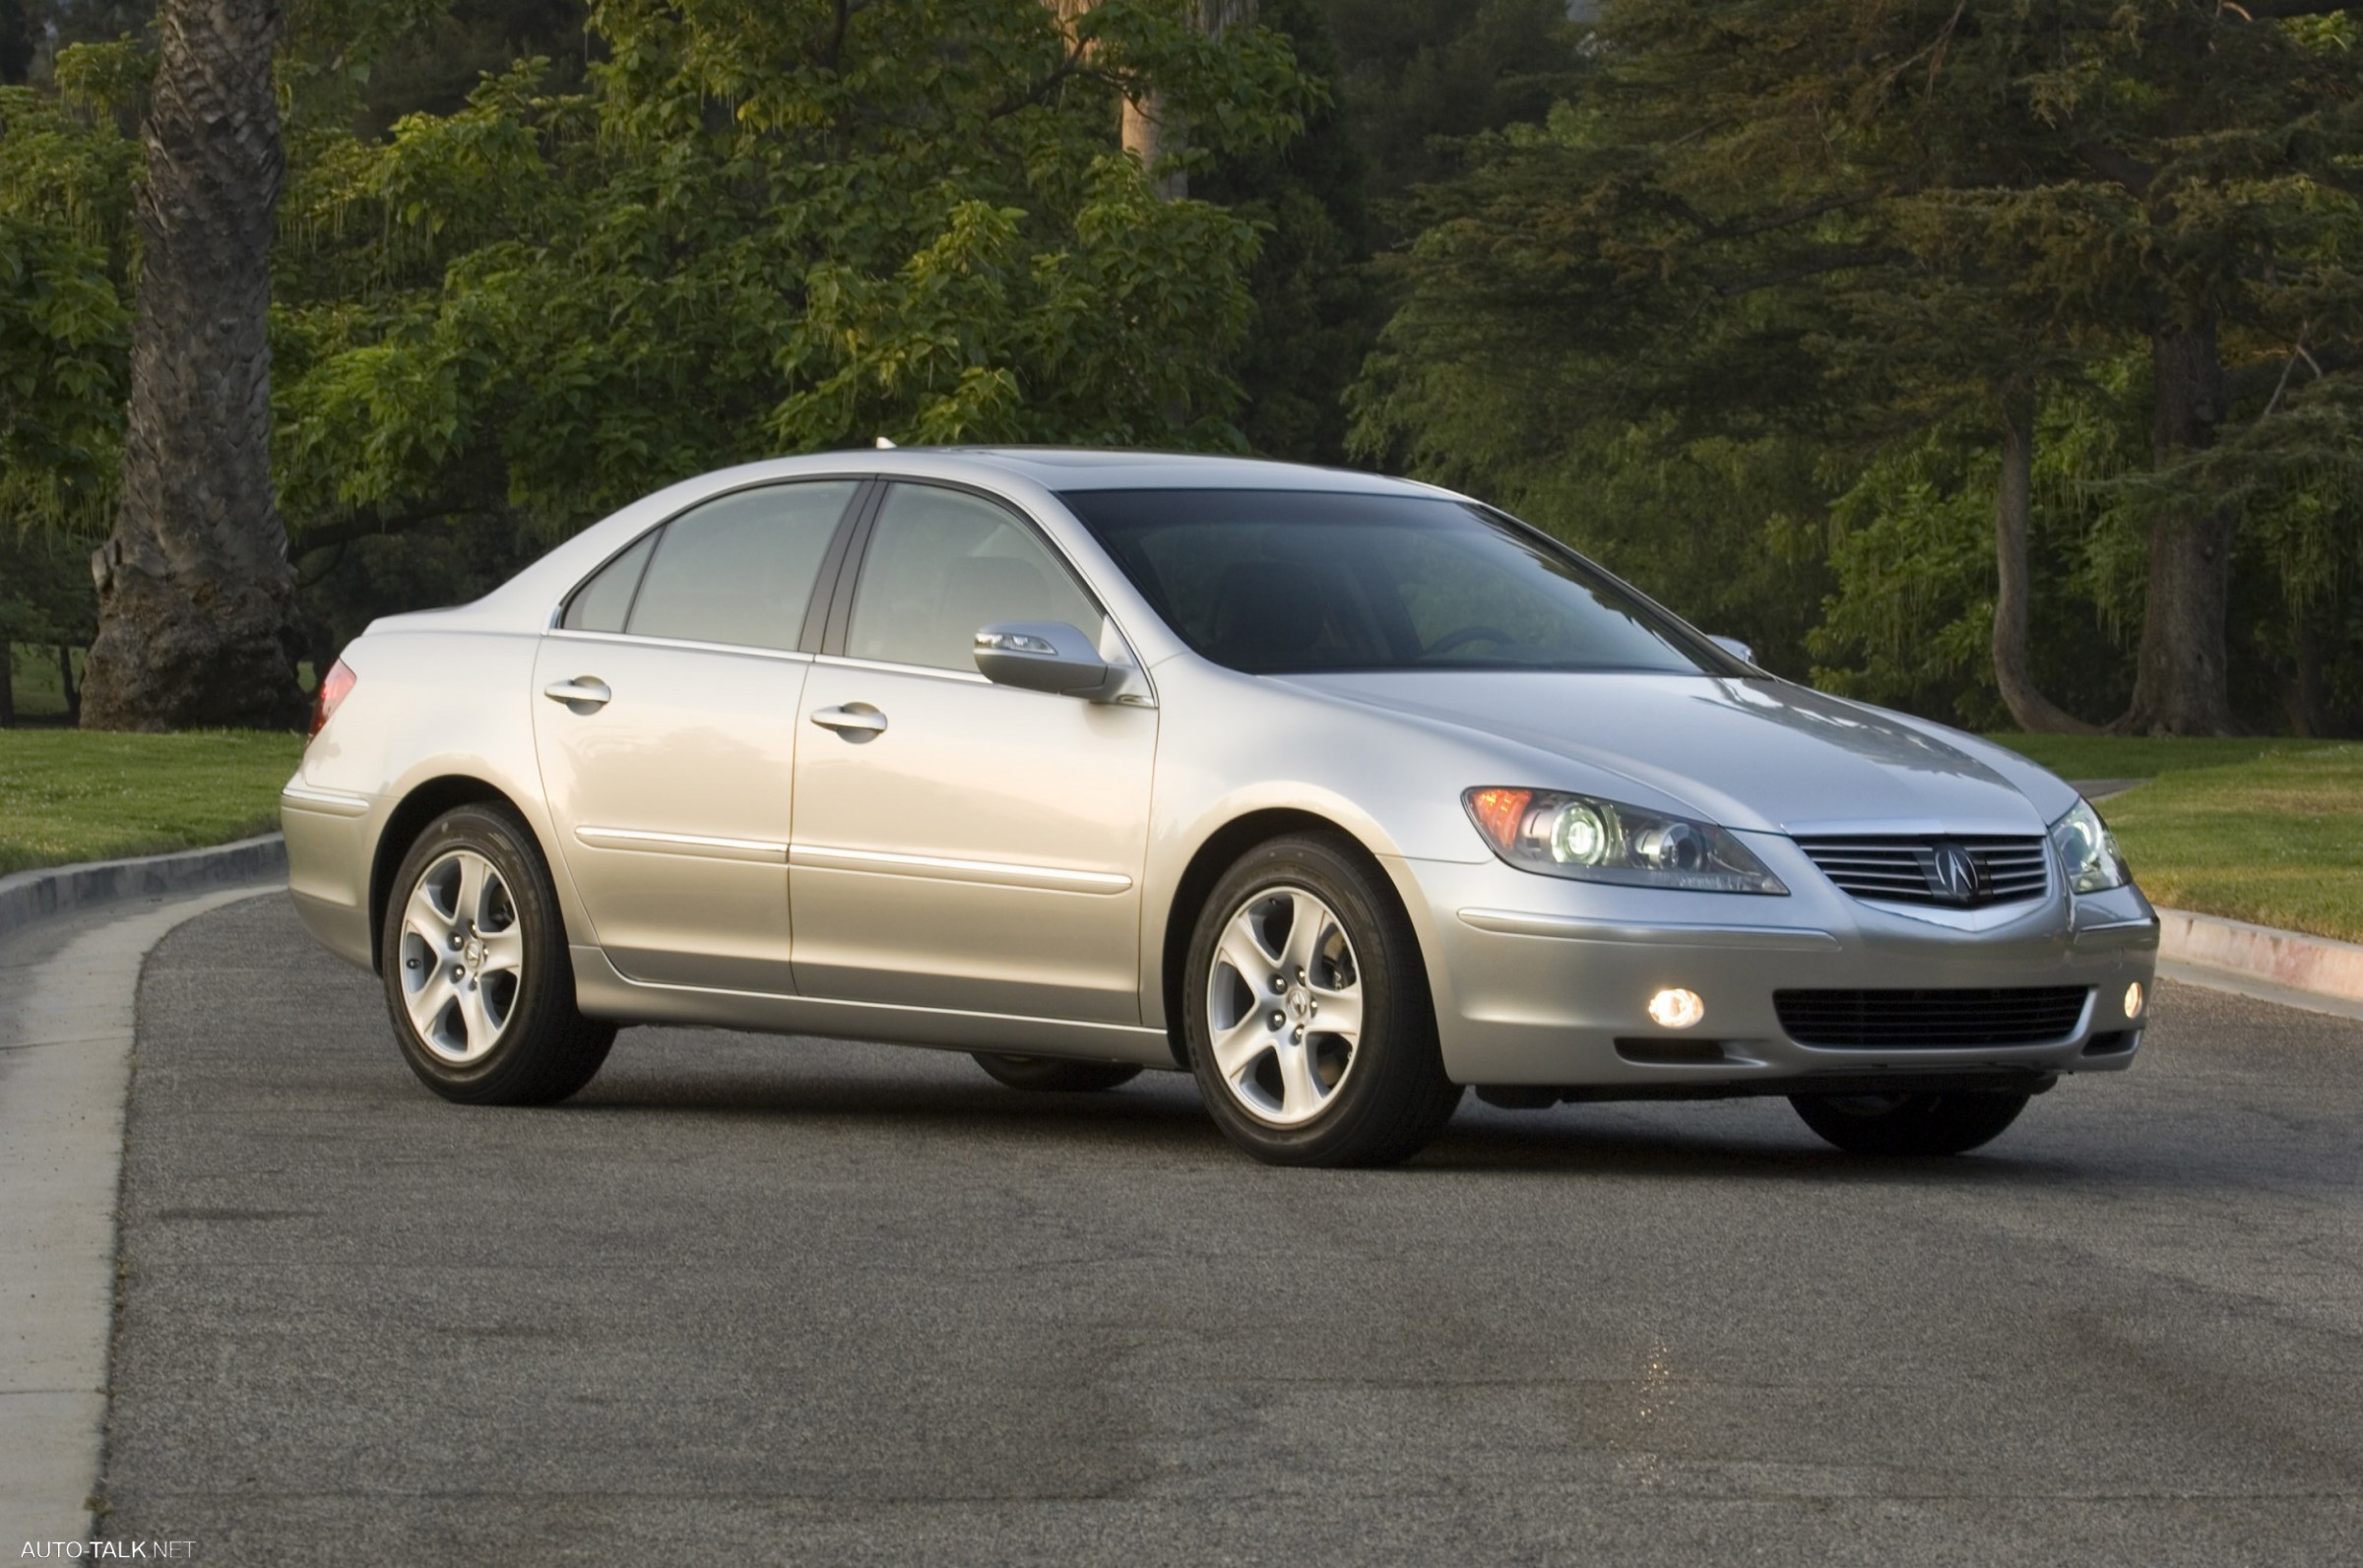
column 1734, row 647
column 1044, row 655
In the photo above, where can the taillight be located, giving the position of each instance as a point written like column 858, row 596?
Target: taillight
column 332, row 690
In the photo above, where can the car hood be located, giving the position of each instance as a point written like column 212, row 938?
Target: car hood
column 1758, row 754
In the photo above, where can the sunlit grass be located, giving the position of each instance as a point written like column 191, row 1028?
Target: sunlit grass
column 2262, row 829
column 69, row 796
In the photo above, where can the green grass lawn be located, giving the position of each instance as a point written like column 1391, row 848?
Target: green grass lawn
column 2263, row 830
column 68, row 795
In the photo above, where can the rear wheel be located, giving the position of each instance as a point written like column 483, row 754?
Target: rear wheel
column 1910, row 1124
column 1308, row 1015
column 1053, row 1076
column 478, row 979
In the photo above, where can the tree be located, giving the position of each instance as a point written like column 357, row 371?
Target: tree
column 1847, row 224
column 762, row 229
column 196, row 596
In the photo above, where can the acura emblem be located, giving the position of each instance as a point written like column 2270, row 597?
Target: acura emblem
column 1953, row 874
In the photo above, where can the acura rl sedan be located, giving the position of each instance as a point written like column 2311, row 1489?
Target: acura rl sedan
column 1342, row 794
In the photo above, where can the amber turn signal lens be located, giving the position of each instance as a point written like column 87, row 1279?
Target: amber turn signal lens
column 1499, row 812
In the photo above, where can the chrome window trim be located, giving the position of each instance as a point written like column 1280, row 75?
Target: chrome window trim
column 884, row 666
column 944, row 868
column 628, row 640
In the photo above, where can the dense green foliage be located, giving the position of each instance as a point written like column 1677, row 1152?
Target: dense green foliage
column 1734, row 292
column 1854, row 233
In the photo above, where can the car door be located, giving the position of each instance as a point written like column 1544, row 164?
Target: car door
column 673, row 685
column 958, row 843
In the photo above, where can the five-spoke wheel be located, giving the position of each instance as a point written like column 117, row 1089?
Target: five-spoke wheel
column 463, row 955
column 473, row 958
column 1309, row 1020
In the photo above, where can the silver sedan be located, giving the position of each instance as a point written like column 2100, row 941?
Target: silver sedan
column 1343, row 793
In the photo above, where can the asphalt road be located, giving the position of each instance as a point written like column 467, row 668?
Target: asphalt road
column 752, row 1300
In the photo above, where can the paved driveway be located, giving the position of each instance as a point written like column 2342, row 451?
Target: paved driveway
column 750, row 1300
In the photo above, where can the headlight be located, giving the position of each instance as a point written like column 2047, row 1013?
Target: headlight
column 2088, row 851
column 1598, row 840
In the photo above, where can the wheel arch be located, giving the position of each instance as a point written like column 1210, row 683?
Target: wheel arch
column 1215, row 855
column 408, row 819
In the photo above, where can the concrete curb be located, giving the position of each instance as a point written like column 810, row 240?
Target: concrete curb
column 32, row 896
column 2312, row 964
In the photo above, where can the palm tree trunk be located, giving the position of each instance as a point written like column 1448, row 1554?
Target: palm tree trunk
column 196, row 596
column 2013, row 504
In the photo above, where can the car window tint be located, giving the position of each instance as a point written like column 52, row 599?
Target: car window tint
column 740, row 569
column 1278, row 581
column 601, row 605
column 943, row 563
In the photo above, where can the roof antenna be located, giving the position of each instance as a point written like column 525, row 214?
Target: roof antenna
column 885, row 444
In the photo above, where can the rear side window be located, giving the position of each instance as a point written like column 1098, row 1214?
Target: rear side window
column 941, row 565
column 740, row 569
column 601, row 605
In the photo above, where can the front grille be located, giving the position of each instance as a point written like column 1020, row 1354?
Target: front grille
column 1909, row 870
column 1931, row 1020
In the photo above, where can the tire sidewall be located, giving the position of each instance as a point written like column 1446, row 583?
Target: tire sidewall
column 547, row 986
column 1396, row 1049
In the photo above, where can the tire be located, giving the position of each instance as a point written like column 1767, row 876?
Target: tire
column 1052, row 1076
column 1311, row 914
column 478, row 983
column 1910, row 1124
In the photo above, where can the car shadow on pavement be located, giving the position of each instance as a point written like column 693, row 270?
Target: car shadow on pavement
column 1162, row 1112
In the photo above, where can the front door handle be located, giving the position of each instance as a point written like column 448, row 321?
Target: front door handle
column 582, row 694
column 853, row 721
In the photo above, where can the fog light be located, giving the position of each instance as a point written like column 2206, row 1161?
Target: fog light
column 2132, row 1000
column 1676, row 1008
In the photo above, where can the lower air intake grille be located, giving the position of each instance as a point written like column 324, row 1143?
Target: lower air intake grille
column 1931, row 1020
column 1962, row 872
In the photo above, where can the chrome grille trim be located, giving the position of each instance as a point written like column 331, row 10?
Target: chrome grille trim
column 1898, row 868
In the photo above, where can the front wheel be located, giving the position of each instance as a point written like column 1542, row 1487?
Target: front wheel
column 1910, row 1124
column 1307, row 1011
column 478, row 979
column 1051, row 1075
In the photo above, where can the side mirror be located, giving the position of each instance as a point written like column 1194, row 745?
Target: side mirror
column 1044, row 656
column 1734, row 647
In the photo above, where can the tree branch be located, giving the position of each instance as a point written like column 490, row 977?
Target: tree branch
column 335, row 536
column 1812, row 266
column 2125, row 169
column 2275, row 10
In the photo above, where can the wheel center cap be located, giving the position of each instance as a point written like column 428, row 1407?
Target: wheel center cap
column 475, row 954
column 1300, row 1003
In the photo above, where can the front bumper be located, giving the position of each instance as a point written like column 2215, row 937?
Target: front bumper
column 1545, row 983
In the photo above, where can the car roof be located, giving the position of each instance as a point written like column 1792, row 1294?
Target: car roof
column 1067, row 469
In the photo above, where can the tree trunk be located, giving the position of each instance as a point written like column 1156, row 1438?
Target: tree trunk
column 2179, row 682
column 2014, row 503
column 1152, row 132
column 196, row 596
column 65, row 682
column 8, row 686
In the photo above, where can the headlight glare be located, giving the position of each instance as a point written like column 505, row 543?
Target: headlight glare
column 2088, row 851
column 1590, row 840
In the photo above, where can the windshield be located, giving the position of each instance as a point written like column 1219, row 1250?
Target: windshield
column 1293, row 582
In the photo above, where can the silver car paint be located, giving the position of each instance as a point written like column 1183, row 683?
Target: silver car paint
column 1010, row 880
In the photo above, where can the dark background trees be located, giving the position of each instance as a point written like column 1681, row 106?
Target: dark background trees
column 1994, row 362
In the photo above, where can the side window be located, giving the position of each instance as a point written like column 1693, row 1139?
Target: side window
column 601, row 605
column 741, row 568
column 943, row 563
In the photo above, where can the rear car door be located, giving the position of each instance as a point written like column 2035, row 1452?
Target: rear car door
column 673, row 684
column 958, row 843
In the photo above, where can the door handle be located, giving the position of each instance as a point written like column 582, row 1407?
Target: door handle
column 581, row 693
column 853, row 721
